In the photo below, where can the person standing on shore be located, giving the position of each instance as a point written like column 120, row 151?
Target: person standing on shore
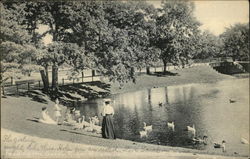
column 108, row 131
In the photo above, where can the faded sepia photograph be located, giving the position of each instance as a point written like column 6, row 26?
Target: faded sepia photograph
column 118, row 79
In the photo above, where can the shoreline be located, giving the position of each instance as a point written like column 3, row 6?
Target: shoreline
column 12, row 106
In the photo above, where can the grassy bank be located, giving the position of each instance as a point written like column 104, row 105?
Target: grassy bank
column 198, row 74
column 16, row 112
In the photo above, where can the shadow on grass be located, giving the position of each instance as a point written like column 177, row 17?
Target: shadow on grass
column 68, row 94
column 79, row 133
column 163, row 74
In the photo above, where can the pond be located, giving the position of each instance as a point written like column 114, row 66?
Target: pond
column 219, row 111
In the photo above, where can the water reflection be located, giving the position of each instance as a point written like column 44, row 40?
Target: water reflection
column 206, row 106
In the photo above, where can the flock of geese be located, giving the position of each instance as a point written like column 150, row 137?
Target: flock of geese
column 191, row 129
column 91, row 126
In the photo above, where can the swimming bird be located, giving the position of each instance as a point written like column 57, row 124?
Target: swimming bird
column 143, row 134
column 147, row 128
column 244, row 141
column 160, row 104
column 197, row 140
column 222, row 145
column 171, row 125
column 191, row 129
column 232, row 101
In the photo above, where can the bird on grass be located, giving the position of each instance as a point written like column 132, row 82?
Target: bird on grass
column 222, row 145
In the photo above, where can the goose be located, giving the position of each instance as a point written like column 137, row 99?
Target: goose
column 95, row 120
column 232, row 101
column 84, row 123
column 90, row 127
column 200, row 141
column 244, row 141
column 222, row 145
column 191, row 129
column 97, row 129
column 143, row 134
column 77, row 113
column 171, row 125
column 147, row 128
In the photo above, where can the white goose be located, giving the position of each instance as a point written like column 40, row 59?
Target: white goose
column 143, row 134
column 90, row 127
column 191, row 129
column 84, row 123
column 147, row 128
column 200, row 141
column 171, row 125
column 95, row 120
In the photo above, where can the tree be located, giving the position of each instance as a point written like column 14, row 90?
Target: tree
column 208, row 46
column 15, row 46
column 176, row 30
column 236, row 42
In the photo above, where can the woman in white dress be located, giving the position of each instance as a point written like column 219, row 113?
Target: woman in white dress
column 57, row 109
column 46, row 118
column 108, row 130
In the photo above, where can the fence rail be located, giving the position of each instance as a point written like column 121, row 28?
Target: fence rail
column 15, row 87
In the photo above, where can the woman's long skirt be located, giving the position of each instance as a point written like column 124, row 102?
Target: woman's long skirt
column 108, row 130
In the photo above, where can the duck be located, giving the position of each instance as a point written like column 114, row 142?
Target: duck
column 232, row 100
column 191, row 129
column 222, row 145
column 197, row 140
column 171, row 125
column 160, row 104
column 147, row 128
column 244, row 141
column 143, row 134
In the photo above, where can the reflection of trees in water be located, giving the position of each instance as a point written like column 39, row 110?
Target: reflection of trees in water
column 166, row 95
column 119, row 121
column 186, row 111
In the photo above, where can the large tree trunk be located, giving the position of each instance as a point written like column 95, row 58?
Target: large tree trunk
column 45, row 80
column 55, row 77
column 148, row 70
column 164, row 66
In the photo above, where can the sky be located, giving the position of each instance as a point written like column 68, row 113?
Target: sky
column 214, row 15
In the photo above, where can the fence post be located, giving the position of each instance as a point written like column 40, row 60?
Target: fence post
column 11, row 80
column 93, row 74
column 63, row 81
column 28, row 86
column 155, row 69
column 3, row 91
column 82, row 75
column 17, row 89
column 39, row 84
column 73, row 81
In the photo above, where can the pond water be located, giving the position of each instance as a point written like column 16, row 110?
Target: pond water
column 207, row 106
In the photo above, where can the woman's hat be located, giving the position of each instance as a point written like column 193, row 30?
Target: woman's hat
column 107, row 100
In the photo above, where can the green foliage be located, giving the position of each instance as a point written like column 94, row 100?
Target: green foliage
column 236, row 42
